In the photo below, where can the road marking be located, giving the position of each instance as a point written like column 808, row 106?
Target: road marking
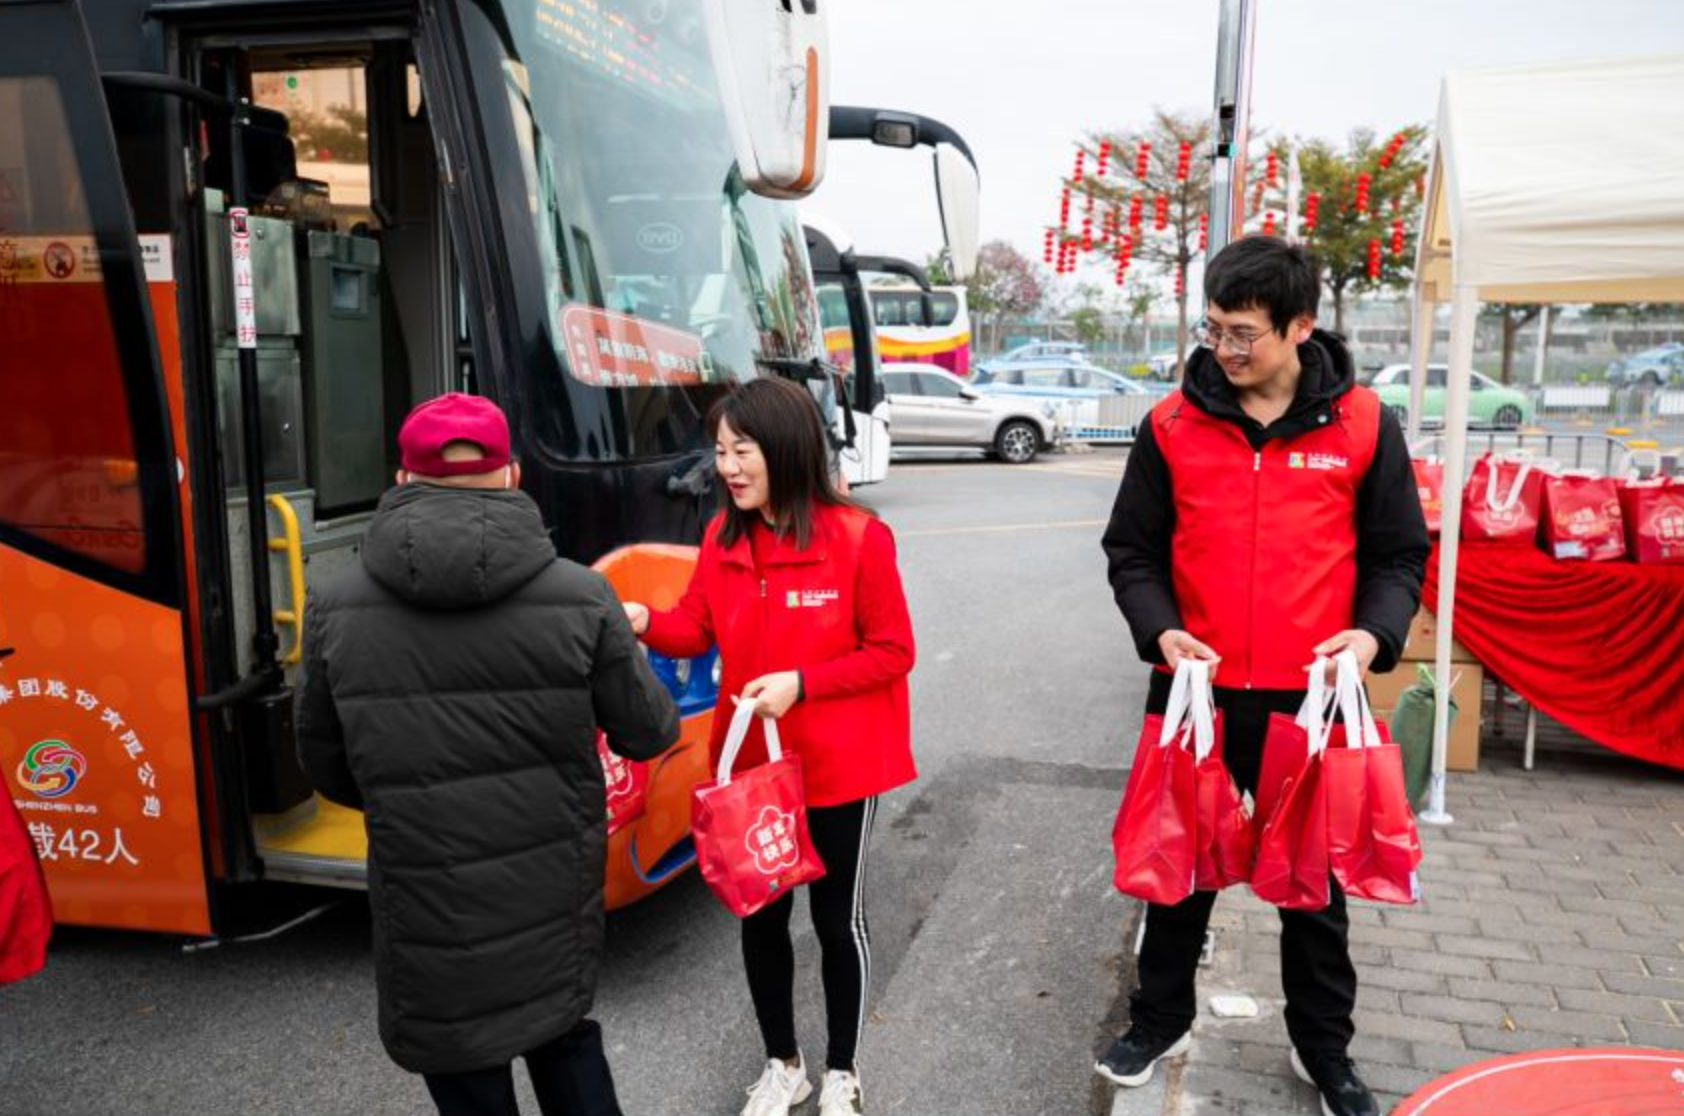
column 996, row 528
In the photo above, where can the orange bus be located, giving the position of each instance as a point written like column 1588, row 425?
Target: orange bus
column 234, row 251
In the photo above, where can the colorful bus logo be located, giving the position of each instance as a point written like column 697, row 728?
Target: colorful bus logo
column 51, row 769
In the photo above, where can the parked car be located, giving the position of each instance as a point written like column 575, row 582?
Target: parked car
column 1058, row 378
column 1163, row 364
column 1035, row 352
column 1664, row 364
column 929, row 406
column 1489, row 403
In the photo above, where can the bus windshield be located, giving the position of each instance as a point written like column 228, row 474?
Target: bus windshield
column 663, row 279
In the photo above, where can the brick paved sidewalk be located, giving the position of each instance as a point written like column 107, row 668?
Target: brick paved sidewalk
column 1552, row 915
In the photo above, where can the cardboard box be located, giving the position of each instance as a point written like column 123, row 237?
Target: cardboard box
column 1422, row 644
column 1469, row 692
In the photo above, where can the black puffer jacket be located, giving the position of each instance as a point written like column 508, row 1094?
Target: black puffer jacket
column 452, row 687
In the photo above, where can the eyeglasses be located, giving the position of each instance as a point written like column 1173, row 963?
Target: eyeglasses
column 1238, row 343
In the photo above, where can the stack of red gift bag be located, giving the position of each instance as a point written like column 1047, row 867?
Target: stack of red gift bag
column 1331, row 803
column 1573, row 514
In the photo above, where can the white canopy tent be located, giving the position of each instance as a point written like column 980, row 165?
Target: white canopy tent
column 1554, row 183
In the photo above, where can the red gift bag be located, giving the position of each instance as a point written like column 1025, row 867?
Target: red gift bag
column 1286, row 741
column 26, row 911
column 1653, row 513
column 1502, row 499
column 1155, row 836
column 625, row 784
column 1373, row 847
column 1429, row 483
column 750, row 828
column 1581, row 518
column 1226, row 840
column 1292, row 857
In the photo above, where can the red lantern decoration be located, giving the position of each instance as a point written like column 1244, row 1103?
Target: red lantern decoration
column 1312, row 207
column 1134, row 212
column 1269, row 223
column 1272, row 169
column 1081, row 155
column 1104, row 156
column 1183, row 161
column 1047, row 246
column 1160, row 212
column 1391, row 153
column 1363, row 180
column 1141, row 156
column 1374, row 259
column 1204, row 231
column 1397, row 238
column 1087, row 232
column 1064, row 209
column 1180, row 281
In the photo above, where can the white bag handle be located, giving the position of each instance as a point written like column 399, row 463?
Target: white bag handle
column 1360, row 729
column 1316, row 714
column 1190, row 707
column 1513, row 498
column 740, row 720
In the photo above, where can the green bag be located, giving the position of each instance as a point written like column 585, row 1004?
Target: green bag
column 1412, row 732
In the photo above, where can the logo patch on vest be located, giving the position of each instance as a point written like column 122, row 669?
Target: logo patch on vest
column 1318, row 461
column 811, row 598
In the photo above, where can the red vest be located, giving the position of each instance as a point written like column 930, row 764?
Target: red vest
column 1264, row 549
column 804, row 611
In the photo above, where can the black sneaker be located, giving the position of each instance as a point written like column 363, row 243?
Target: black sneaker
column 1131, row 1058
column 1335, row 1078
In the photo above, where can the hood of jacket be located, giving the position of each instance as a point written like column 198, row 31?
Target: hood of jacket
column 455, row 548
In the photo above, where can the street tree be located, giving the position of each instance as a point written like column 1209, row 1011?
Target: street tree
column 1366, row 205
column 1006, row 284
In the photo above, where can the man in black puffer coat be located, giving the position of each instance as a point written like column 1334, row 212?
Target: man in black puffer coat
column 452, row 689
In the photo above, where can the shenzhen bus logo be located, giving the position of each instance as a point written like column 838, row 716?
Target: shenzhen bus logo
column 51, row 769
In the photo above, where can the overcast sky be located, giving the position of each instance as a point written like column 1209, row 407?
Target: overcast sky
column 1022, row 81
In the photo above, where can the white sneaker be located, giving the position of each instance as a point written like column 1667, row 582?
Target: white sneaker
column 780, row 1088
column 841, row 1095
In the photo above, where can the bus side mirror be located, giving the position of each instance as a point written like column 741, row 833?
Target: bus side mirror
column 959, row 189
column 771, row 60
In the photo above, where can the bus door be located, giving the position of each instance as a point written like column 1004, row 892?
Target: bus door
column 96, row 737
column 850, row 343
column 347, row 301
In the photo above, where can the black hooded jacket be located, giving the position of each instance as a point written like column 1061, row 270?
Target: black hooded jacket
column 1392, row 540
column 452, row 688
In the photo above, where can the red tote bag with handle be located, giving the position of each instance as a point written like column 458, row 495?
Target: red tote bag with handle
column 1292, row 855
column 750, row 828
column 1155, row 836
column 1581, row 518
column 1373, row 846
column 1653, row 513
column 1502, row 499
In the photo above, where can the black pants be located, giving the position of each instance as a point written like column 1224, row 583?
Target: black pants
column 570, row 1075
column 840, row 836
column 1316, row 971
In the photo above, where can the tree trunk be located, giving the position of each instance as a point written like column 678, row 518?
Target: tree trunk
column 1181, row 337
column 1510, row 328
column 1339, row 309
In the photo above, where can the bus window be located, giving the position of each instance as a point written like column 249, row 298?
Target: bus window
column 69, row 474
column 944, row 308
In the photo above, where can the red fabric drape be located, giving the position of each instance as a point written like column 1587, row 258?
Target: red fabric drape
column 1599, row 646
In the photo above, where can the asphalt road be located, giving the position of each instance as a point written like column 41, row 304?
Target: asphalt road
column 998, row 941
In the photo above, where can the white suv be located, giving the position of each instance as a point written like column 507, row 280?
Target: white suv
column 929, row 406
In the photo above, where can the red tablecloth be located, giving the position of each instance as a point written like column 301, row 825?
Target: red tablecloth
column 1599, row 646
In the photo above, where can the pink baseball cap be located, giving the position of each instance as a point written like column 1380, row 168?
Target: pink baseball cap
column 454, row 417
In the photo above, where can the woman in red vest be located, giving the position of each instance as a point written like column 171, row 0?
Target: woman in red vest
column 26, row 914
column 798, row 587
column 1268, row 514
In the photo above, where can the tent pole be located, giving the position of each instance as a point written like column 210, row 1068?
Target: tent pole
column 1463, row 310
column 1420, row 353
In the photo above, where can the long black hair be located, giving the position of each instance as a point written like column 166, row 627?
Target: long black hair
column 784, row 421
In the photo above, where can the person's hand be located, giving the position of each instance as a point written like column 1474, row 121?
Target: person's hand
column 775, row 692
column 1177, row 644
column 638, row 616
column 1358, row 642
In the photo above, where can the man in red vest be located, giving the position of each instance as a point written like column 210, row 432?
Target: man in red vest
column 1268, row 514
